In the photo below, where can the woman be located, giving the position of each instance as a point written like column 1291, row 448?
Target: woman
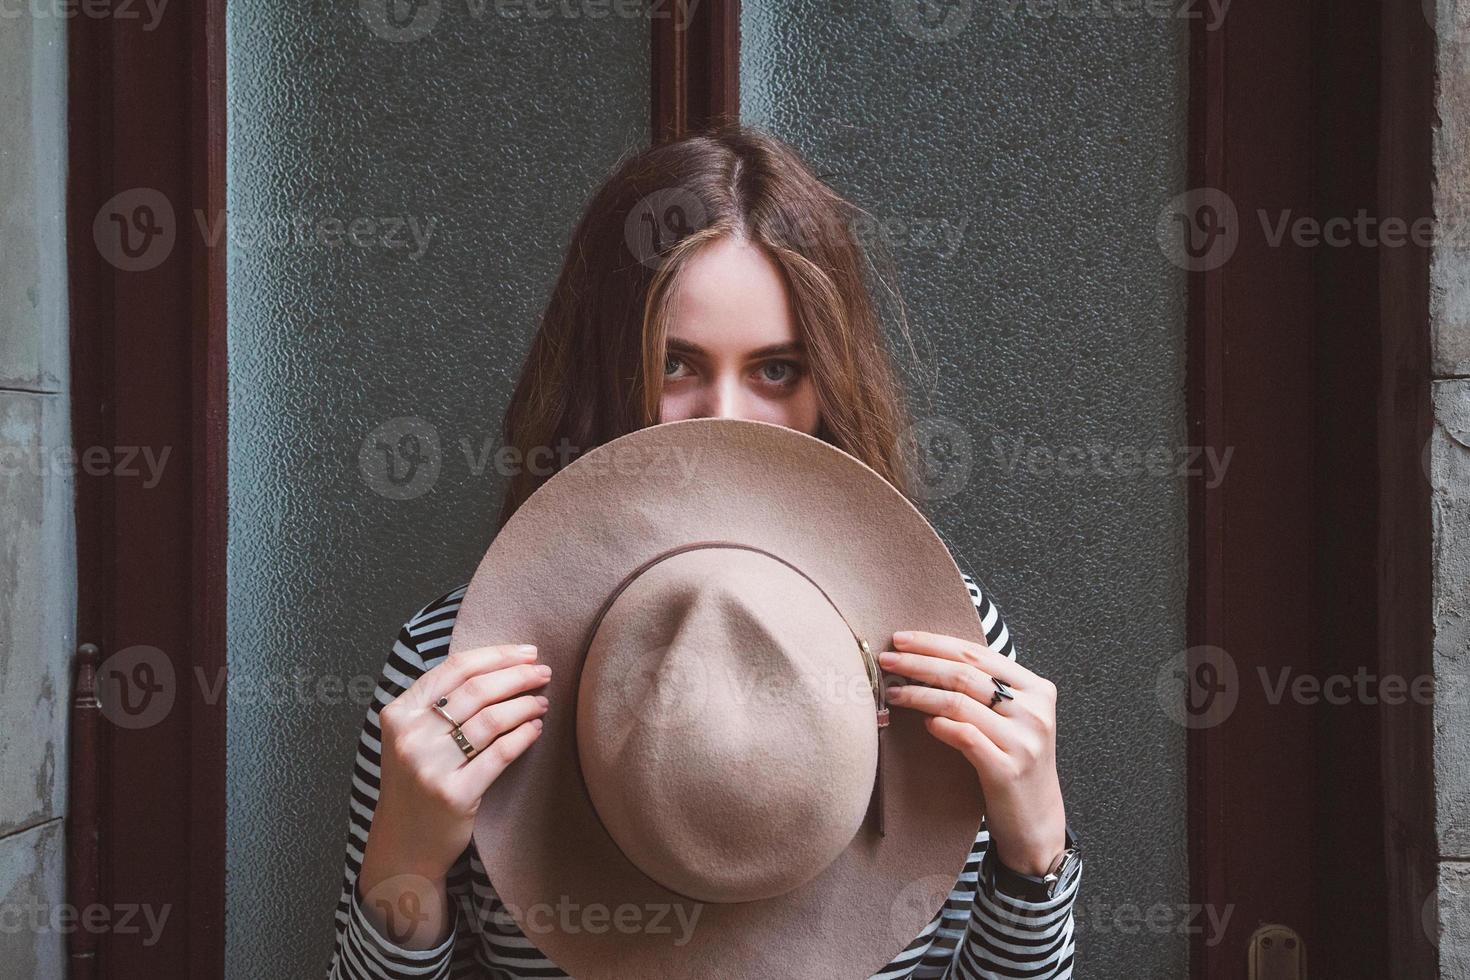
column 710, row 276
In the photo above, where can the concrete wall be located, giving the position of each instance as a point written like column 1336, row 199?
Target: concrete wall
column 1450, row 477
column 37, row 568
column 1448, row 460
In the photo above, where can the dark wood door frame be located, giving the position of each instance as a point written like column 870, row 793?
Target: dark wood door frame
column 694, row 67
column 146, row 158
column 1310, row 362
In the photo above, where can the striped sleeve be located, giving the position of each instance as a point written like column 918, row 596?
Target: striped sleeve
column 1010, row 937
column 362, row 952
column 982, row 932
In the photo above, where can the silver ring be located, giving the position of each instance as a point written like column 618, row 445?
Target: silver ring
column 464, row 744
column 439, row 707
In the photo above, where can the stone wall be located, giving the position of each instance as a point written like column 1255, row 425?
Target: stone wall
column 37, row 565
column 1449, row 473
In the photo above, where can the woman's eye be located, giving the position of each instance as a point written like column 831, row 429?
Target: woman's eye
column 671, row 366
column 780, row 372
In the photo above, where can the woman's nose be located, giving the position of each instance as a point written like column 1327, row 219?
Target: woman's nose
column 723, row 400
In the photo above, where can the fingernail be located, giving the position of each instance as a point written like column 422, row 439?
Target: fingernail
column 542, row 700
column 526, row 650
column 902, row 636
column 888, row 657
column 536, row 724
column 544, row 670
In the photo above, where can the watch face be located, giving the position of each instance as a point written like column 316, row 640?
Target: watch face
column 1062, row 877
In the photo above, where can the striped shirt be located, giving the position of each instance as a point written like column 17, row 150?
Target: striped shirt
column 980, row 932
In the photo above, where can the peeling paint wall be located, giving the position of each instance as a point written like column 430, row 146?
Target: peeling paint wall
column 37, row 553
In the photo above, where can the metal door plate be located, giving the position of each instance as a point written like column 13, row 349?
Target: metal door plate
column 1277, row 953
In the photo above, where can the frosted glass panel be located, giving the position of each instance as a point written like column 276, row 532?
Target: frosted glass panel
column 1015, row 163
column 400, row 191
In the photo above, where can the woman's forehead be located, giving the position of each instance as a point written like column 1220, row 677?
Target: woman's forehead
column 732, row 295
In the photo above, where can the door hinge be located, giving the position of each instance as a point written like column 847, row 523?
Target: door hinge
column 83, row 818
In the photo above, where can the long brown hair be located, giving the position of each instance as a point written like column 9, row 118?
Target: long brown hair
column 595, row 368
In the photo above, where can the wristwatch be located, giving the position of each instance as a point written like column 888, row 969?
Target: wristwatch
column 1058, row 878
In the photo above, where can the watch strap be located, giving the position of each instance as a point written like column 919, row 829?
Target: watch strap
column 1030, row 888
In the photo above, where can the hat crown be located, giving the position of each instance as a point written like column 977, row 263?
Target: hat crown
column 726, row 728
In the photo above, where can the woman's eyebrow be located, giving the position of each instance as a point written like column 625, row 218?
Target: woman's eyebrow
column 770, row 350
column 774, row 350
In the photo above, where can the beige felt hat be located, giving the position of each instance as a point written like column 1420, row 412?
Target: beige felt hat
column 719, row 789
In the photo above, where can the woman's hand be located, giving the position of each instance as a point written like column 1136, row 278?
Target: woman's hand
column 428, row 791
column 1011, row 743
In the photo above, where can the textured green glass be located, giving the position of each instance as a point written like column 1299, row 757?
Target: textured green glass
column 400, row 192
column 1015, row 158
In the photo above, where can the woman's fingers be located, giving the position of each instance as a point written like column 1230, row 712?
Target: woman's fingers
column 414, row 731
column 490, row 762
column 493, row 721
column 958, row 706
column 963, row 651
column 482, row 690
column 952, row 675
column 460, row 666
column 978, row 748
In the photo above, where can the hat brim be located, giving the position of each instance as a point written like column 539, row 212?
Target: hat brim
column 548, row 857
